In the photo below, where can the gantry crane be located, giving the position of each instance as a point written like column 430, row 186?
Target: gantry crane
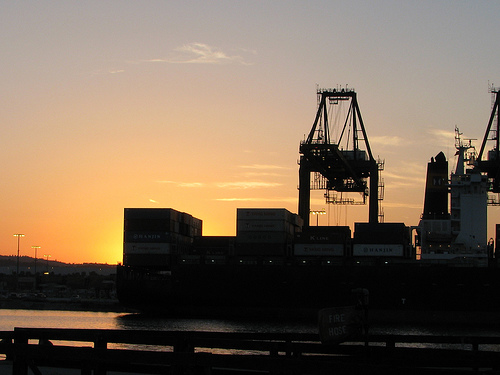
column 491, row 165
column 342, row 165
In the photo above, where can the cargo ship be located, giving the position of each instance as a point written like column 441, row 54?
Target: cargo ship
column 278, row 261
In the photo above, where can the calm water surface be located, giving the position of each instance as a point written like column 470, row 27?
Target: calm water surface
column 108, row 320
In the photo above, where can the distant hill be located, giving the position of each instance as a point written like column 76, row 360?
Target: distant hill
column 8, row 264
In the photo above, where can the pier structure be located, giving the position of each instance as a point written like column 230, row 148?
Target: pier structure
column 100, row 352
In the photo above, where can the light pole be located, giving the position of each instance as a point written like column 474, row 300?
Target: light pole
column 318, row 212
column 47, row 256
column 36, row 248
column 18, row 235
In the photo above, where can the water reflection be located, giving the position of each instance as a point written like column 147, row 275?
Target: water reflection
column 102, row 320
column 139, row 321
column 9, row 319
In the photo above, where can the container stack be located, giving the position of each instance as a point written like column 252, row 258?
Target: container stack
column 323, row 241
column 153, row 235
column 381, row 240
column 265, row 231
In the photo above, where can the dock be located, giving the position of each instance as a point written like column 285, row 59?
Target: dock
column 37, row 351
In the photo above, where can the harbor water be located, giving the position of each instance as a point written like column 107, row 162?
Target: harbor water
column 11, row 318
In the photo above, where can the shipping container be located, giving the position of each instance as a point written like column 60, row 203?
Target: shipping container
column 264, row 237
column 324, row 234
column 245, row 225
column 161, row 220
column 147, row 260
column 152, row 213
column 263, row 249
column 215, row 259
column 378, row 250
column 147, row 248
column 166, row 237
column 383, row 233
column 150, row 225
column 265, row 214
column 189, row 259
column 214, row 245
column 319, row 249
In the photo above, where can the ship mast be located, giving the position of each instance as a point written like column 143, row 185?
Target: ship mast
column 469, row 201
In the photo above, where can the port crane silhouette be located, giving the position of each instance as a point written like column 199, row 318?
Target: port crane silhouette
column 342, row 165
column 491, row 165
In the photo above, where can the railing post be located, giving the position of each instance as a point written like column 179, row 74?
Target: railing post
column 100, row 346
column 182, row 348
column 475, row 349
column 390, row 345
column 20, row 364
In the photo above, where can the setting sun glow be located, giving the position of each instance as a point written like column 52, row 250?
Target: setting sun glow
column 201, row 107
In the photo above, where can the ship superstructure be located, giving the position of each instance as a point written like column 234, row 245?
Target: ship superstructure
column 469, row 201
column 459, row 234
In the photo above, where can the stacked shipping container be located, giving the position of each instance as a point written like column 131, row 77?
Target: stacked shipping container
column 265, row 231
column 381, row 240
column 153, row 235
column 323, row 241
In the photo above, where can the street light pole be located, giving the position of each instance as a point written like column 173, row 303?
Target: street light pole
column 47, row 256
column 318, row 212
column 18, row 235
column 34, row 282
column 36, row 248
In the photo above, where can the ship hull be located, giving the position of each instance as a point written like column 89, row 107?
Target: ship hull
column 295, row 288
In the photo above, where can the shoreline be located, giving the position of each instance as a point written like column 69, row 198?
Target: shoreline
column 94, row 305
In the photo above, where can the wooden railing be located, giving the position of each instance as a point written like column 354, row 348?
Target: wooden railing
column 33, row 350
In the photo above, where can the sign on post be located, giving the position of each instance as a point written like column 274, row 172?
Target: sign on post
column 338, row 324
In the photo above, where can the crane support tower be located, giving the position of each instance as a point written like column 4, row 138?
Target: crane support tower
column 343, row 165
column 491, row 166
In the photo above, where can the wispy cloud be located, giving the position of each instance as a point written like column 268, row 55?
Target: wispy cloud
column 152, row 201
column 247, row 184
column 184, row 184
column 402, row 205
column 263, row 170
column 230, row 185
column 191, row 53
column 101, row 72
column 284, row 199
column 386, row 140
column 263, row 166
column 404, row 177
column 261, row 174
column 441, row 137
column 191, row 184
column 200, row 53
column 448, row 134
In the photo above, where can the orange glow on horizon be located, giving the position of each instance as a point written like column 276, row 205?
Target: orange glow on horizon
column 174, row 113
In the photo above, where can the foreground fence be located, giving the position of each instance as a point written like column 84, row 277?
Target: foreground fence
column 100, row 352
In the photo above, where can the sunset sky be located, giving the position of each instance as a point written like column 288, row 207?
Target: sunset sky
column 201, row 106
